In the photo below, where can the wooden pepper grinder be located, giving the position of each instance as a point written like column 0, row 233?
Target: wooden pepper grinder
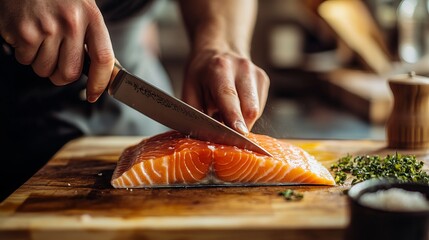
column 408, row 124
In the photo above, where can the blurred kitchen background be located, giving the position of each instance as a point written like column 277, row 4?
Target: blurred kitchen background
column 328, row 61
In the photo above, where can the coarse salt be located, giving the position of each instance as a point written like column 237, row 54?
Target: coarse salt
column 395, row 199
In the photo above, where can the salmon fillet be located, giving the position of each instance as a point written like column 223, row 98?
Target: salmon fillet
column 172, row 159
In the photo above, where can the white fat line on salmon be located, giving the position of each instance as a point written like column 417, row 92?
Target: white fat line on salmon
column 186, row 166
column 297, row 176
column 136, row 175
column 237, row 165
column 128, row 178
column 153, row 169
column 144, row 173
column 254, row 170
column 173, row 167
column 180, row 167
column 305, row 178
column 233, row 165
column 225, row 162
column 280, row 174
column 266, row 172
column 122, row 183
column 114, row 183
column 196, row 167
column 286, row 172
column 279, row 167
column 165, row 165
column 249, row 169
column 245, row 171
column 301, row 177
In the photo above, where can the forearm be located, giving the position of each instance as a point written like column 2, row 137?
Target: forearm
column 221, row 25
column 220, row 79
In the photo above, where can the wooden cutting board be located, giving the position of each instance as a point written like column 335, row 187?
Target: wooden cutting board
column 71, row 198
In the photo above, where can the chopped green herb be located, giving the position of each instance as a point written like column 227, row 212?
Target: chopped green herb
column 404, row 168
column 291, row 195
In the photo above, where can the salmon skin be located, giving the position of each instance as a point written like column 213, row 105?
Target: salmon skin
column 173, row 159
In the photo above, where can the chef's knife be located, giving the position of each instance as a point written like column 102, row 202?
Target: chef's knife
column 171, row 111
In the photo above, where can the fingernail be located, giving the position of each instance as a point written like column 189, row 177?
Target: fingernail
column 241, row 127
column 92, row 98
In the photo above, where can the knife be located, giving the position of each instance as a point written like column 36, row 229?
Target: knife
column 171, row 111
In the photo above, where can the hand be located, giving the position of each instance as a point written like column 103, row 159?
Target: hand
column 51, row 37
column 227, row 86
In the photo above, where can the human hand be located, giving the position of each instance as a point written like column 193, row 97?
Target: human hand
column 226, row 86
column 51, row 37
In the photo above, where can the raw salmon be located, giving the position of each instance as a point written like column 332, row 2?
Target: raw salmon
column 172, row 159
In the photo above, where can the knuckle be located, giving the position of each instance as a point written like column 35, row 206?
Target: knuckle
column 244, row 64
column 234, row 114
column 228, row 91
column 251, row 113
column 28, row 35
column 103, row 57
column 72, row 21
column 48, row 27
column 221, row 62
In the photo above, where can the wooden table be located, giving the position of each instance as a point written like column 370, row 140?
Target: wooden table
column 71, row 198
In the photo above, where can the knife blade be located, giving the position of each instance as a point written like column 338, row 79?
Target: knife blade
column 171, row 111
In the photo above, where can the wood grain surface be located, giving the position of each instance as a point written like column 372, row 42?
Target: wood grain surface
column 71, row 198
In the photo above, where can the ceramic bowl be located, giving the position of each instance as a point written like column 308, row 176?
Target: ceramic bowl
column 372, row 223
